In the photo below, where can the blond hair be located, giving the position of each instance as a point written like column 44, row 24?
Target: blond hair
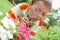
column 48, row 3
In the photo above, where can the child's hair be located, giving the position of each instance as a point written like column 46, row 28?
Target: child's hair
column 48, row 3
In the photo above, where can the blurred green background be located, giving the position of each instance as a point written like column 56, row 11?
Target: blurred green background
column 5, row 5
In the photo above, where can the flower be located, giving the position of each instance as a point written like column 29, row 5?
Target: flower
column 4, row 34
column 25, row 32
column 18, row 36
column 10, row 36
column 6, row 21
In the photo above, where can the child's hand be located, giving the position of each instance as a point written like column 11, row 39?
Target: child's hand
column 24, row 21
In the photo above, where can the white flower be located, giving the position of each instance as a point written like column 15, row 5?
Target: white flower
column 55, row 16
column 3, row 36
column 58, row 13
column 2, row 30
column 47, row 19
column 10, row 21
column 10, row 36
column 6, row 22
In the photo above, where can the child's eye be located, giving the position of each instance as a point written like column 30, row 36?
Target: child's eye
column 36, row 9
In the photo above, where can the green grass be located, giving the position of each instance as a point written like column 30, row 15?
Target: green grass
column 5, row 5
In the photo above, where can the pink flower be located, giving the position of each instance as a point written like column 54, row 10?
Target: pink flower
column 18, row 36
column 25, row 32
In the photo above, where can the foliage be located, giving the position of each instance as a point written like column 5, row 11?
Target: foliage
column 52, row 34
column 2, row 15
column 5, row 5
column 53, row 17
column 20, row 1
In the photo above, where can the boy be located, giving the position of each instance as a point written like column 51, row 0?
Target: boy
column 31, row 14
column 37, row 12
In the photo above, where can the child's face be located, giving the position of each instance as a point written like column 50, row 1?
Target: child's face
column 37, row 10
